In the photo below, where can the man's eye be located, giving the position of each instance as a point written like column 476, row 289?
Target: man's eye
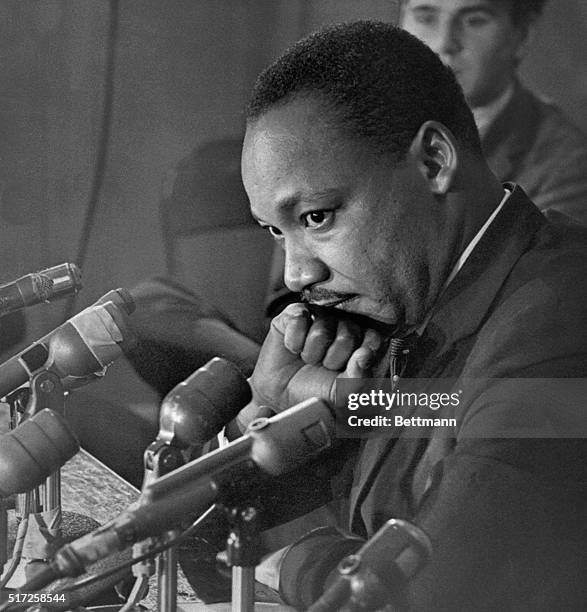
column 476, row 20
column 425, row 19
column 317, row 218
column 276, row 233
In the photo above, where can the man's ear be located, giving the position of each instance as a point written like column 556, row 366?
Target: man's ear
column 435, row 153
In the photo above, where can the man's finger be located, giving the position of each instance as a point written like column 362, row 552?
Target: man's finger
column 373, row 341
column 348, row 338
column 319, row 338
column 294, row 323
column 357, row 368
column 360, row 363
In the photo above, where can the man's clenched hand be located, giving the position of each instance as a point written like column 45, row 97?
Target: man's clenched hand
column 303, row 355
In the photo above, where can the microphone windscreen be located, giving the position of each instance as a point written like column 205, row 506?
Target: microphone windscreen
column 200, row 406
column 34, row 450
column 309, row 563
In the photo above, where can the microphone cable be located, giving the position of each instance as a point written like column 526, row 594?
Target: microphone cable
column 102, row 145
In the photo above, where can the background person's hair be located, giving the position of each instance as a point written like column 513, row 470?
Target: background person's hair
column 523, row 11
column 380, row 83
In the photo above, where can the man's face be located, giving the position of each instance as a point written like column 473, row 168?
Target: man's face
column 359, row 233
column 475, row 38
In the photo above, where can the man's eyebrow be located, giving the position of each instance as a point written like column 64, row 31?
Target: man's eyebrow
column 480, row 6
column 424, row 8
column 286, row 204
column 281, row 208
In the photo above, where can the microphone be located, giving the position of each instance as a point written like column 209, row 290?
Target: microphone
column 33, row 451
column 38, row 287
column 274, row 446
column 199, row 407
column 192, row 413
column 79, row 350
column 376, row 576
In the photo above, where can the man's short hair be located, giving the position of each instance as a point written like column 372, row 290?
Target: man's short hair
column 380, row 82
column 524, row 11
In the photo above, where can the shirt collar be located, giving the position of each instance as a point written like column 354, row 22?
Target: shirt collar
column 465, row 255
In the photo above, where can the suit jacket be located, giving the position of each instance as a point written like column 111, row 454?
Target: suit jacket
column 506, row 514
column 533, row 144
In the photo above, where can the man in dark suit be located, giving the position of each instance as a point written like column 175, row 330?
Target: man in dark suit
column 525, row 138
column 362, row 159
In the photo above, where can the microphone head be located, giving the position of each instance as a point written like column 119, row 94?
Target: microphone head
column 200, row 406
column 34, row 450
column 380, row 571
column 399, row 545
column 120, row 297
column 39, row 287
column 58, row 281
column 82, row 348
column 42, row 286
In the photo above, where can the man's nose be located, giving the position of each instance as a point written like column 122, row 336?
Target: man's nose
column 448, row 40
column 302, row 268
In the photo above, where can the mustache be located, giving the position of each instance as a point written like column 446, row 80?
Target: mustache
column 311, row 296
column 322, row 295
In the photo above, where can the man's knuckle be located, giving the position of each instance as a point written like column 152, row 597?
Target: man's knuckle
column 322, row 327
column 319, row 334
column 372, row 339
column 291, row 345
column 345, row 337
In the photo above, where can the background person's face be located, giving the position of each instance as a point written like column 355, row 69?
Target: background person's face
column 475, row 38
column 358, row 233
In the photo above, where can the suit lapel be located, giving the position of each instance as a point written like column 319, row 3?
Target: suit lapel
column 446, row 343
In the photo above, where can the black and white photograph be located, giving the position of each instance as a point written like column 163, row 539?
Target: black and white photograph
column 293, row 305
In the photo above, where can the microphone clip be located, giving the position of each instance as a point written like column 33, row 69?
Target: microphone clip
column 46, row 391
column 243, row 553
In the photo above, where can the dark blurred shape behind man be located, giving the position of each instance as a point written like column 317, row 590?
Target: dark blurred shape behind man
column 525, row 138
column 362, row 159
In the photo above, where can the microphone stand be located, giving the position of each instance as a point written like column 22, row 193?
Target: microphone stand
column 243, row 555
column 6, row 504
column 3, row 533
column 160, row 458
column 17, row 401
column 45, row 391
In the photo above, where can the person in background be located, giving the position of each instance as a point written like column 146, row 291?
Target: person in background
column 525, row 138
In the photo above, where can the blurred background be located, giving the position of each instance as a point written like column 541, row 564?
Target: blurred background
column 102, row 99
